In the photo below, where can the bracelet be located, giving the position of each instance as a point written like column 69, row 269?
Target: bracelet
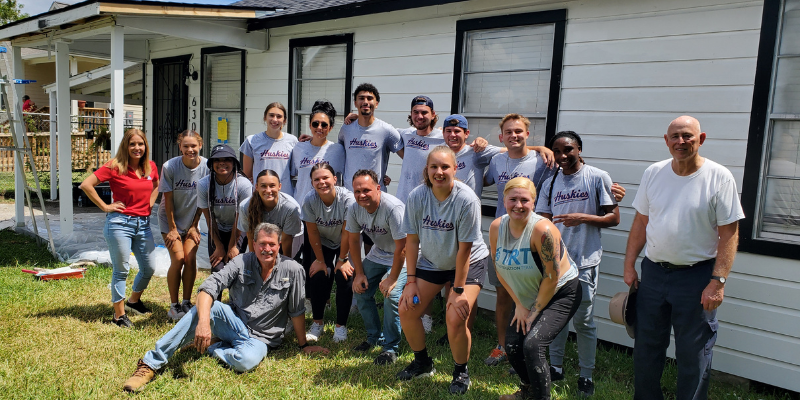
column 302, row 346
column 342, row 259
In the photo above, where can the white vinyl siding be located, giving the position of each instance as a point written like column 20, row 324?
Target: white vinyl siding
column 779, row 205
column 320, row 74
column 222, row 93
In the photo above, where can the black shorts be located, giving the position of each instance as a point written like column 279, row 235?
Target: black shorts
column 477, row 270
column 225, row 238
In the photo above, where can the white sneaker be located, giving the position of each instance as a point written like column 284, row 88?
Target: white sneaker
column 314, row 332
column 339, row 334
column 427, row 323
column 308, row 307
column 175, row 312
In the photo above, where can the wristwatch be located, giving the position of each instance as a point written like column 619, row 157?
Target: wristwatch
column 458, row 289
column 344, row 260
column 721, row 279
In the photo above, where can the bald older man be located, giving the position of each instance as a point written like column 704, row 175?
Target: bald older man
column 687, row 213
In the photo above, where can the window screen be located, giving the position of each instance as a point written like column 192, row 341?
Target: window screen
column 320, row 73
column 222, row 91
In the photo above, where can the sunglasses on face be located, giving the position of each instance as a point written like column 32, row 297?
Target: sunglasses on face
column 316, row 124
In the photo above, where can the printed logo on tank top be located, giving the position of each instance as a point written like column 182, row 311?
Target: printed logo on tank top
column 310, row 162
column 437, row 224
column 185, row 185
column 224, row 201
column 362, row 144
column 328, row 223
column 513, row 260
column 417, row 144
column 274, row 155
column 574, row 195
column 505, row 176
column 377, row 230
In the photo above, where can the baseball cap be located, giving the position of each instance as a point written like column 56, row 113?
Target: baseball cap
column 422, row 101
column 456, row 120
column 220, row 151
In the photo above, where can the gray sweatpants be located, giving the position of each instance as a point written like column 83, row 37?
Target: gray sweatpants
column 583, row 322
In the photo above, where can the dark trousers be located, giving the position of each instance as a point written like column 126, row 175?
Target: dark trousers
column 526, row 353
column 318, row 287
column 671, row 298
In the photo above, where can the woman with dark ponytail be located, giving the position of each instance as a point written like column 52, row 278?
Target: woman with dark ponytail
column 269, row 204
column 219, row 197
column 319, row 150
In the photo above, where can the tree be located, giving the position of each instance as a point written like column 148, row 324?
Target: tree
column 10, row 11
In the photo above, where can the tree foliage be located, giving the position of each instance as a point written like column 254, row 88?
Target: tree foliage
column 10, row 11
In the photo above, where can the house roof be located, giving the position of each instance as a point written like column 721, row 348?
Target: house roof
column 293, row 12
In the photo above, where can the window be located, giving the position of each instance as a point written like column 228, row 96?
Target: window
column 509, row 64
column 222, row 101
column 319, row 68
column 773, row 149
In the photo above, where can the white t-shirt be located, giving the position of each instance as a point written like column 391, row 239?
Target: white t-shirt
column 685, row 211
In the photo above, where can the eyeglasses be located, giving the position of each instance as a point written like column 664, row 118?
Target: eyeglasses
column 316, row 124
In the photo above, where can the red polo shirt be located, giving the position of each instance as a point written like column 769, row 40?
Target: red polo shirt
column 131, row 190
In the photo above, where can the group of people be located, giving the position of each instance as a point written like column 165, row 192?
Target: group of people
column 292, row 219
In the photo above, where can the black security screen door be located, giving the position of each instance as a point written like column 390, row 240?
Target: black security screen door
column 170, row 106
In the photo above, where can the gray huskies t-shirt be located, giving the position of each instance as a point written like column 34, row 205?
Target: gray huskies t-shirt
column 227, row 199
column 415, row 157
column 268, row 153
column 329, row 219
column 441, row 225
column 305, row 156
column 177, row 178
column 470, row 166
column 368, row 148
column 384, row 226
column 286, row 214
column 503, row 168
column 585, row 192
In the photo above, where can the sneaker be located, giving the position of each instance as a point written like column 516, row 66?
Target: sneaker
column 523, row 393
column 386, row 357
column 556, row 376
column 176, row 312
column 136, row 308
column 363, row 347
column 123, row 321
column 141, row 376
column 586, row 387
column 339, row 334
column 443, row 341
column 497, row 356
column 417, row 369
column 460, row 383
column 427, row 323
column 186, row 306
column 314, row 332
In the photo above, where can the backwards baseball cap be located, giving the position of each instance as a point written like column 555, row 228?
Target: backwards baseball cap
column 221, row 151
column 456, row 120
column 422, row 101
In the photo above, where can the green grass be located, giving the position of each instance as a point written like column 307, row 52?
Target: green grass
column 56, row 341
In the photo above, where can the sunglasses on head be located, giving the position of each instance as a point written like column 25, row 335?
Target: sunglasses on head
column 316, row 124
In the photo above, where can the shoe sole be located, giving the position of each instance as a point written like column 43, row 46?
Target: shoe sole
column 132, row 310
column 460, row 392
column 339, row 340
column 422, row 375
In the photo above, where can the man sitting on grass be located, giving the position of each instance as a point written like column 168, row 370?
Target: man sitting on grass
column 265, row 290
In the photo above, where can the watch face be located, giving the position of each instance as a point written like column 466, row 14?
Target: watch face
column 458, row 290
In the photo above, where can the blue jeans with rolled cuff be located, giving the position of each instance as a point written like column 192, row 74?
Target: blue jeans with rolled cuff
column 236, row 348
column 670, row 298
column 125, row 234
column 391, row 334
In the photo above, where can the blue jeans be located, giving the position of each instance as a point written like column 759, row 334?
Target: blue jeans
column 583, row 321
column 236, row 347
column 369, row 311
column 125, row 233
column 671, row 298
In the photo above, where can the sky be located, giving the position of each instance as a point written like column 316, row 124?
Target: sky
column 33, row 7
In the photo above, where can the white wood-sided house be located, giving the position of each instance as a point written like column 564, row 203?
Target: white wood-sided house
column 615, row 71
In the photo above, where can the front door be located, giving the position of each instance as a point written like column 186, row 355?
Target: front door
column 170, row 106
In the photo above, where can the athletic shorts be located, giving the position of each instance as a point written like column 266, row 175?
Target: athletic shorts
column 475, row 274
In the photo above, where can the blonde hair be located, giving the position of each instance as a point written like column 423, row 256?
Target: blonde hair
column 120, row 161
column 516, row 117
column 521, row 182
column 438, row 149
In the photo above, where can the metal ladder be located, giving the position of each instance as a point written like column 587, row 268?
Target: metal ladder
column 16, row 121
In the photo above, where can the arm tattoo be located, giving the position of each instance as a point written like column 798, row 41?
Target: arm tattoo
column 550, row 252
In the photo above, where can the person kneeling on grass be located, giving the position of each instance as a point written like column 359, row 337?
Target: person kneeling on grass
column 265, row 290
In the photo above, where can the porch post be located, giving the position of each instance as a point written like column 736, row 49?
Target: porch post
column 53, row 147
column 117, row 86
column 73, row 70
column 64, row 137
column 19, row 186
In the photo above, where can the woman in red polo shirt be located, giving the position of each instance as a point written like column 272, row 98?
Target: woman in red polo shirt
column 134, row 185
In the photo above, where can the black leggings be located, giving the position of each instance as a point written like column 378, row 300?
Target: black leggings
column 526, row 353
column 318, row 287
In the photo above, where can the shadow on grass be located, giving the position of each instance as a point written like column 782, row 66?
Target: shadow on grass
column 102, row 312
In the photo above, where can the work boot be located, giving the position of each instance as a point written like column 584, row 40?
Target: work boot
column 141, row 376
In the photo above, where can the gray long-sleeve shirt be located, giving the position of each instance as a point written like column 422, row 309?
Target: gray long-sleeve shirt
column 264, row 306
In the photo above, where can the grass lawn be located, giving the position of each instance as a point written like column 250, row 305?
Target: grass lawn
column 56, row 341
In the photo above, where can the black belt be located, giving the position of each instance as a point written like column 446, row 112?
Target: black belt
column 667, row 265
